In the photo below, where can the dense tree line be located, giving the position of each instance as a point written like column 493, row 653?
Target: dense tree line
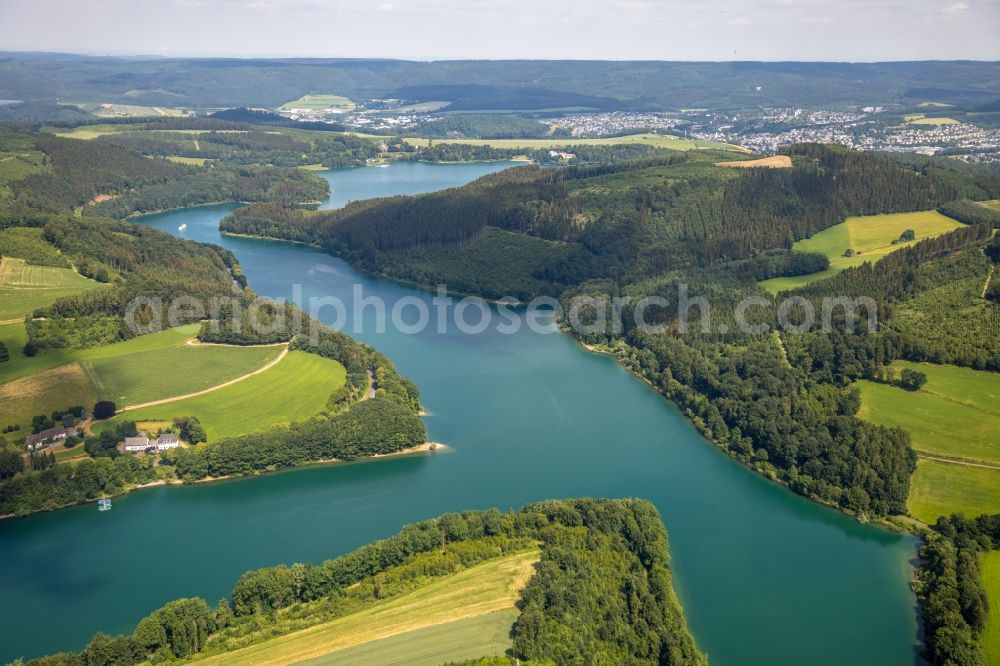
column 617, row 547
column 949, row 585
column 377, row 426
column 970, row 212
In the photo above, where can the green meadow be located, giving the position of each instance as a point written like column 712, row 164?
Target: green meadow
column 990, row 638
column 941, row 489
column 295, row 389
column 485, row 635
column 869, row 237
column 162, row 365
column 956, row 415
column 43, row 393
column 319, row 102
column 149, row 367
column 481, row 589
column 25, row 287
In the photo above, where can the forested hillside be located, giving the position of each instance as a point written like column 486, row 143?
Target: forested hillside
column 485, row 85
column 645, row 228
column 603, row 586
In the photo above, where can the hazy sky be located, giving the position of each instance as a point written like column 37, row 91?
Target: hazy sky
column 592, row 29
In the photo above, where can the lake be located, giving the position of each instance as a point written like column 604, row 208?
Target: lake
column 766, row 577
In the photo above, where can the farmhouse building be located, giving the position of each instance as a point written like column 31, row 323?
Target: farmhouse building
column 49, row 437
column 137, row 444
column 167, row 440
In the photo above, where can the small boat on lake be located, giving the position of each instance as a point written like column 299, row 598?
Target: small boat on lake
column 104, row 504
column 183, row 227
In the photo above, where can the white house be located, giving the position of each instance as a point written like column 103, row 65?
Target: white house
column 167, row 440
column 137, row 444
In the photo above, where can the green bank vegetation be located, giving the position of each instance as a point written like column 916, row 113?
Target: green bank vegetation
column 990, row 567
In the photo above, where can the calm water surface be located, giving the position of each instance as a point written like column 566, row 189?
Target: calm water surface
column 765, row 576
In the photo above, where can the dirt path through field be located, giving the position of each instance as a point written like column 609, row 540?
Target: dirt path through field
column 283, row 354
column 952, row 461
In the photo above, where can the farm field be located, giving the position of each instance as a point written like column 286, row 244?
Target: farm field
column 295, row 389
column 43, row 393
column 149, row 367
column 657, row 140
column 990, row 639
column 870, row 237
column 470, row 638
column 772, row 162
column 196, row 161
column 920, row 119
column 940, row 489
column 955, row 415
column 995, row 204
column 937, row 424
column 24, row 288
column 166, row 366
column 319, row 102
column 481, row 589
column 15, row 336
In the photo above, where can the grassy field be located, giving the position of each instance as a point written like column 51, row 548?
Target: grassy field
column 955, row 415
column 319, row 102
column 43, row 393
column 995, row 204
column 15, row 336
column 295, row 389
column 476, row 591
column 469, row 638
column 149, row 367
column 940, row 489
column 990, row 639
column 161, row 365
column 938, row 425
column 932, row 121
column 870, row 237
column 24, row 287
column 657, row 140
column 196, row 161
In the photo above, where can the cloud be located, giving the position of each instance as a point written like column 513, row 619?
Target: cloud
column 386, row 7
column 956, row 8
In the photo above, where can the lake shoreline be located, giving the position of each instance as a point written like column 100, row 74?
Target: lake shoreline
column 420, row 449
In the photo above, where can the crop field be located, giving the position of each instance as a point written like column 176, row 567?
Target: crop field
column 469, row 638
column 990, row 638
column 940, row 489
column 869, row 237
column 295, row 389
column 995, row 204
column 486, row 588
column 319, row 102
column 43, row 393
column 24, row 288
column 656, row 140
column 772, row 162
column 937, row 122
